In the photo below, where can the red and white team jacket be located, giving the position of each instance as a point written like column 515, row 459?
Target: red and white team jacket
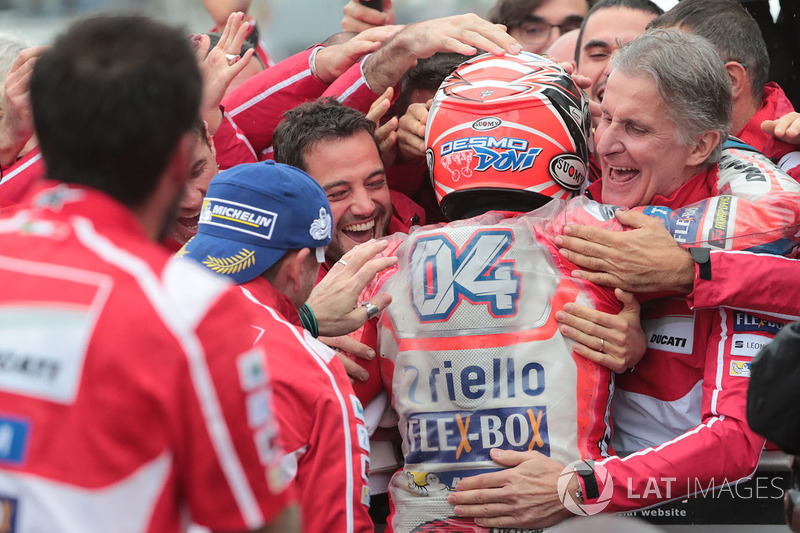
column 473, row 357
column 128, row 391
column 683, row 408
column 321, row 420
column 737, row 280
column 252, row 112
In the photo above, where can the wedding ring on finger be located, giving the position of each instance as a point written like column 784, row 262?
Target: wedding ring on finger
column 372, row 309
column 342, row 261
column 602, row 344
column 231, row 58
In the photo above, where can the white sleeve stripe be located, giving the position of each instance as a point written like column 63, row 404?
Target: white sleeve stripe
column 342, row 403
column 723, row 337
column 660, row 447
column 200, row 374
column 16, row 171
column 270, row 91
column 240, row 135
column 350, row 90
column 754, row 254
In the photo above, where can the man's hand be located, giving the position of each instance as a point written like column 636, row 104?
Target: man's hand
column 645, row 259
column 623, row 342
column 460, row 33
column 332, row 61
column 358, row 17
column 411, row 131
column 348, row 344
column 524, row 495
column 333, row 300
column 786, row 128
column 386, row 134
column 16, row 124
column 217, row 69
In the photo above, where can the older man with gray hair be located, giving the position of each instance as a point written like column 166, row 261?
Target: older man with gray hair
column 665, row 115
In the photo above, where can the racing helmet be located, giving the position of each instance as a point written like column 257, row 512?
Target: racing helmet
column 506, row 133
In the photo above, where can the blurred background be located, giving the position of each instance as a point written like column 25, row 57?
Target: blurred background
column 287, row 25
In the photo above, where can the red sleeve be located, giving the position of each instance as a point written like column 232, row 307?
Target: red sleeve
column 737, row 281
column 232, row 482
column 231, row 144
column 721, row 450
column 327, row 446
column 17, row 178
column 257, row 106
column 352, row 90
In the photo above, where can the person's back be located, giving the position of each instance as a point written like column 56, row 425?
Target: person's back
column 470, row 347
column 476, row 360
column 115, row 380
column 122, row 381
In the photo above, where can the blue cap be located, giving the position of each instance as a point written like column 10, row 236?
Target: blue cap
column 253, row 214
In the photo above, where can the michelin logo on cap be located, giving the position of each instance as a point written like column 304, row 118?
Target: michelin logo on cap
column 238, row 217
column 321, row 227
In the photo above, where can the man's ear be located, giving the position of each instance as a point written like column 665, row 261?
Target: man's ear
column 294, row 267
column 705, row 144
column 740, row 83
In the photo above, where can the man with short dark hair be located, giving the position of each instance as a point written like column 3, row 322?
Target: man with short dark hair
column 126, row 382
column 336, row 146
column 608, row 25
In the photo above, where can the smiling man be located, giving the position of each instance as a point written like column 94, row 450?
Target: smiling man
column 609, row 25
column 204, row 167
column 335, row 145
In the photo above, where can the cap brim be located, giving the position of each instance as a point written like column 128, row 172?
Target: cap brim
column 239, row 261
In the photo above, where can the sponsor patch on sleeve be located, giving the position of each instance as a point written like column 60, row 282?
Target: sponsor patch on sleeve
column 748, row 345
column 14, row 434
column 252, row 372
column 740, row 369
column 745, row 322
column 365, row 467
column 358, row 409
column 8, row 514
column 258, row 408
column 363, row 438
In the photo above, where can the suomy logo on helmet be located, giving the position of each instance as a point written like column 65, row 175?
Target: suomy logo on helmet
column 486, row 123
column 568, row 170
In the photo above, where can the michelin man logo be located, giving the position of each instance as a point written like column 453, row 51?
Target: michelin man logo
column 321, row 227
column 571, row 502
column 205, row 212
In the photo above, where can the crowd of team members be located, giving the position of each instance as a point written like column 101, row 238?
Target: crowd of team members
column 266, row 406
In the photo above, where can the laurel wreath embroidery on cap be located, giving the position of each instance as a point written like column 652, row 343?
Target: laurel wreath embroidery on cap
column 231, row 265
